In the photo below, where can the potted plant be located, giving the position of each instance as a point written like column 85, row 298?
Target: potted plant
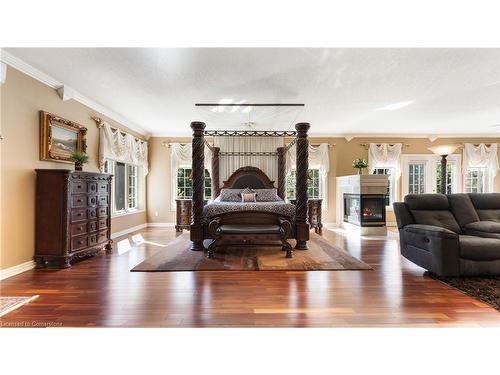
column 360, row 164
column 80, row 158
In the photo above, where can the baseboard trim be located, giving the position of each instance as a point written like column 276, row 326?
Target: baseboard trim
column 161, row 225
column 16, row 270
column 128, row 230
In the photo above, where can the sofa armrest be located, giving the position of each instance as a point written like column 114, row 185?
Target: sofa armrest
column 441, row 244
column 430, row 230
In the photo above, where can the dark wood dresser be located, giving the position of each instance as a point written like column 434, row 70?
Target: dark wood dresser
column 183, row 216
column 73, row 218
column 314, row 214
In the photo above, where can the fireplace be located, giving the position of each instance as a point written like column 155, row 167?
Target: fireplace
column 364, row 210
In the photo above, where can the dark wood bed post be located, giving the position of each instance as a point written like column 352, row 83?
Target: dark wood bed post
column 281, row 171
column 198, row 173
column 215, row 173
column 301, row 205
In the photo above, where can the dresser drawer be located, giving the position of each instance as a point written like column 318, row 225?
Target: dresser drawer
column 103, row 187
column 92, row 187
column 78, row 201
column 78, row 229
column 78, row 214
column 79, row 242
column 93, row 239
column 102, row 200
column 92, row 200
column 92, row 213
column 78, row 186
column 102, row 211
column 92, row 226
column 102, row 236
column 102, row 223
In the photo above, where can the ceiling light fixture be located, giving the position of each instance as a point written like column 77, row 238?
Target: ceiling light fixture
column 395, row 106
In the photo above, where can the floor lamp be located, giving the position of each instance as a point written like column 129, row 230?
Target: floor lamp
column 443, row 151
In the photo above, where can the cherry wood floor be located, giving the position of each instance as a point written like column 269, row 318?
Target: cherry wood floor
column 102, row 292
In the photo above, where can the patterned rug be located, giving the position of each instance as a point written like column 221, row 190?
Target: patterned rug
column 8, row 304
column 485, row 289
column 321, row 256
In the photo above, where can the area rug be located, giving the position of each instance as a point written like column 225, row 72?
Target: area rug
column 485, row 289
column 8, row 304
column 321, row 256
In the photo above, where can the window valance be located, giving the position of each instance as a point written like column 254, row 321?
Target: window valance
column 481, row 156
column 318, row 157
column 124, row 148
column 385, row 155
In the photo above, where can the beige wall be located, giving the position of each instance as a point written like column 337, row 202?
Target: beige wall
column 159, row 181
column 22, row 97
column 341, row 155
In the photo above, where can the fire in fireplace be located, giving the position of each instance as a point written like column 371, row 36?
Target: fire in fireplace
column 365, row 210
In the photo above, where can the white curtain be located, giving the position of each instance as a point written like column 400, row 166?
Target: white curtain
column 482, row 156
column 181, row 157
column 318, row 159
column 385, row 156
column 229, row 164
column 124, row 148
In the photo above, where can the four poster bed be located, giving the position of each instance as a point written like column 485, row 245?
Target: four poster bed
column 267, row 216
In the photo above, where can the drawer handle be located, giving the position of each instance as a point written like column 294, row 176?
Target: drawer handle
column 79, row 186
column 79, row 214
column 80, row 242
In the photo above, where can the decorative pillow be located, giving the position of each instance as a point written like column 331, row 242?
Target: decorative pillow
column 247, row 190
column 230, row 195
column 267, row 195
column 248, row 197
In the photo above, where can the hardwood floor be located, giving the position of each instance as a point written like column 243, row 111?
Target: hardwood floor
column 102, row 292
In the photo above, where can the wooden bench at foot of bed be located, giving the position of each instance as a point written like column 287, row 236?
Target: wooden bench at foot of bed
column 247, row 233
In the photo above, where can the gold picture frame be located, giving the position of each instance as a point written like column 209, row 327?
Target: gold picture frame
column 59, row 138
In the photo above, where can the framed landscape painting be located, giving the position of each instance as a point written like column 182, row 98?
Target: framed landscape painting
column 59, row 138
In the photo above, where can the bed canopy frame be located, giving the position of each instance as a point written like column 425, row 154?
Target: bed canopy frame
column 198, row 225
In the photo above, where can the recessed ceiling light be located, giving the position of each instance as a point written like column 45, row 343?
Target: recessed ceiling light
column 395, row 106
column 236, row 108
column 221, row 109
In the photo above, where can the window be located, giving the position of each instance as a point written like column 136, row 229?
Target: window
column 389, row 197
column 313, row 184
column 416, row 179
column 475, row 180
column 185, row 184
column 449, row 178
column 422, row 174
column 125, row 187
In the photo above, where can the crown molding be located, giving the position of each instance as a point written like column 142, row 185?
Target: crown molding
column 350, row 137
column 67, row 93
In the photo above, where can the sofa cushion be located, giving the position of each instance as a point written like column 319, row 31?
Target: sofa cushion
column 444, row 219
column 478, row 248
column 427, row 202
column 487, row 205
column 485, row 226
column 432, row 209
column 463, row 209
column 489, row 229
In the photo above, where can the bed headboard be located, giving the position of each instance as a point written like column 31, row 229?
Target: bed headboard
column 250, row 177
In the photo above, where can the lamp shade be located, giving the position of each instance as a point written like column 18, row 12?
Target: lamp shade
column 444, row 149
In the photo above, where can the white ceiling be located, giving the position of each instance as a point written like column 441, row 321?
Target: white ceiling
column 440, row 91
